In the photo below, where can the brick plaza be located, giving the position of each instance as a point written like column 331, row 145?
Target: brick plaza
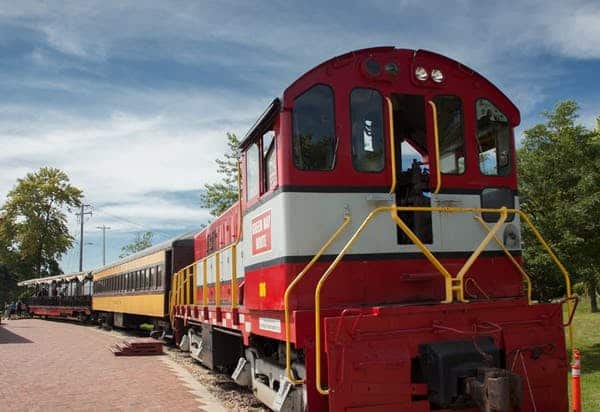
column 61, row 366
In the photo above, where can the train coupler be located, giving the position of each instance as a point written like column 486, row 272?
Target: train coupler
column 495, row 390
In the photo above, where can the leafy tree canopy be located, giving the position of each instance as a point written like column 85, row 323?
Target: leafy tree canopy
column 33, row 225
column 142, row 241
column 559, row 168
column 219, row 196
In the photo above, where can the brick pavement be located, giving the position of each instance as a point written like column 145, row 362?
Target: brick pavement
column 52, row 366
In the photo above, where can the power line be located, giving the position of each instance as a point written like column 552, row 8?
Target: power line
column 167, row 235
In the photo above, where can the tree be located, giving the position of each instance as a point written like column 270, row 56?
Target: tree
column 559, row 167
column 142, row 241
column 219, row 196
column 33, row 225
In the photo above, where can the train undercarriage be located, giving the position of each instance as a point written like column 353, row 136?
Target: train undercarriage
column 481, row 356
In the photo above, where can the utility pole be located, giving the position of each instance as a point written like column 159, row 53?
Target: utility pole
column 82, row 217
column 103, row 228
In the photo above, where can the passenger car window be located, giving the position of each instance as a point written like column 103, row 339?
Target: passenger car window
column 314, row 129
column 252, row 172
column 451, row 133
column 366, row 116
column 493, row 139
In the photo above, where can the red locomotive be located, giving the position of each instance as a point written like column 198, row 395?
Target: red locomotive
column 377, row 263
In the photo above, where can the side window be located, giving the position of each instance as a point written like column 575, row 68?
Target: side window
column 314, row 129
column 493, row 139
column 451, row 133
column 159, row 278
column 252, row 172
column 366, row 116
column 269, row 161
column 152, row 277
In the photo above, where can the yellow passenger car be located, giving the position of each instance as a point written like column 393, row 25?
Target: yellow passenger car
column 135, row 289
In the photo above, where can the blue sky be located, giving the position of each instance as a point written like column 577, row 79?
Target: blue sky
column 133, row 99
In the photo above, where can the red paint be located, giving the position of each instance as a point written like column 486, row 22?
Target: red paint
column 59, row 311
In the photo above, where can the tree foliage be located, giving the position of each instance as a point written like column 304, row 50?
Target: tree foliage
column 142, row 241
column 219, row 196
column 559, row 168
column 33, row 224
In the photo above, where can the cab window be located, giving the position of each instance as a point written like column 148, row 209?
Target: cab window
column 314, row 129
column 451, row 134
column 269, row 161
column 493, row 139
column 366, row 116
column 252, row 172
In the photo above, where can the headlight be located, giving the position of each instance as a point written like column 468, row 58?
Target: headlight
column 437, row 75
column 421, row 73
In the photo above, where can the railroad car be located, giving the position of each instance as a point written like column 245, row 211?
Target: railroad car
column 373, row 262
column 135, row 289
column 61, row 296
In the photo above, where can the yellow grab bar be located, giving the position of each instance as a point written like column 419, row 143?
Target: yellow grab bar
column 436, row 140
column 288, row 291
column 392, row 142
column 432, row 259
column 459, row 287
column 217, row 280
column 509, row 256
column 459, row 284
column 204, row 283
column 234, row 303
column 563, row 270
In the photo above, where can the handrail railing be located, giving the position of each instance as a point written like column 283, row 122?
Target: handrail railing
column 436, row 141
column 180, row 283
column 452, row 285
column 288, row 291
column 180, row 295
column 392, row 143
column 509, row 255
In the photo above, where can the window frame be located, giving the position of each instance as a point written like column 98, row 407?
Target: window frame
column 464, row 133
column 264, row 177
column 511, row 139
column 336, row 141
column 259, row 183
column 384, row 129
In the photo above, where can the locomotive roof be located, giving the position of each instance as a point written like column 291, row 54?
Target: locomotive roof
column 167, row 244
column 264, row 121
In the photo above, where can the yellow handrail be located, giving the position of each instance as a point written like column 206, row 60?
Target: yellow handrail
column 510, row 257
column 204, row 283
column 436, row 141
column 456, row 285
column 557, row 262
column 432, row 259
column 234, row 303
column 217, row 279
column 392, row 142
column 288, row 291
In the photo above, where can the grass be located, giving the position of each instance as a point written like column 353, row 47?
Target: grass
column 586, row 328
column 147, row 326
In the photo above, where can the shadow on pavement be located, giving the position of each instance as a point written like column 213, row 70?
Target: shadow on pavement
column 7, row 336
